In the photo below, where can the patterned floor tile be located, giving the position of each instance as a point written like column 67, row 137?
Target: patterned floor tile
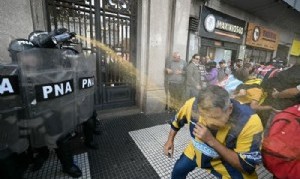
column 151, row 140
column 52, row 168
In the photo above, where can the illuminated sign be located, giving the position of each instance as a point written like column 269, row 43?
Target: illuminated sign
column 210, row 23
column 229, row 27
column 219, row 26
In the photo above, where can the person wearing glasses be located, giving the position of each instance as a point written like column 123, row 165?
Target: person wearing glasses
column 225, row 136
column 193, row 77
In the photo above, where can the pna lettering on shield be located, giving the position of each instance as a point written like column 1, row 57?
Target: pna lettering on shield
column 57, row 89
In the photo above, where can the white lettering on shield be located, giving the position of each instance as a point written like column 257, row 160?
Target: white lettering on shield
column 86, row 83
column 6, row 86
column 58, row 89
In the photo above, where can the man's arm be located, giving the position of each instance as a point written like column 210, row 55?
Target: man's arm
column 227, row 154
column 176, row 123
column 201, row 132
column 168, row 69
column 169, row 145
column 287, row 93
column 184, row 68
column 257, row 107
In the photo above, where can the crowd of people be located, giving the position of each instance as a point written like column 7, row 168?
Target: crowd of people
column 229, row 110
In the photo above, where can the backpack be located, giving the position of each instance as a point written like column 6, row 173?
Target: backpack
column 281, row 145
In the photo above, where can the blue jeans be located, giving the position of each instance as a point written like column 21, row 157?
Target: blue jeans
column 183, row 166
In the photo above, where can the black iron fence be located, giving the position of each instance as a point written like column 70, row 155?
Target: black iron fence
column 111, row 23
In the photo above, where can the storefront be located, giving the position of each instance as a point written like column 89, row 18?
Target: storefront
column 260, row 43
column 221, row 34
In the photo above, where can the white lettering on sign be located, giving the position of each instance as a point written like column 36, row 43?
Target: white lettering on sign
column 6, row 86
column 229, row 27
column 57, row 89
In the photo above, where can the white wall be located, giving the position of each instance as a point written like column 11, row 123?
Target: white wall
column 16, row 22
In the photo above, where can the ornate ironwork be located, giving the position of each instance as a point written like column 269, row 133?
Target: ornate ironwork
column 121, row 6
column 111, row 22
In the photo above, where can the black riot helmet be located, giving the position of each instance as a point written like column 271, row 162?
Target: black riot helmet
column 41, row 39
column 35, row 35
column 18, row 45
column 44, row 39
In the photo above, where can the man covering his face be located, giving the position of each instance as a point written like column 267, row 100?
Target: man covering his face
column 225, row 136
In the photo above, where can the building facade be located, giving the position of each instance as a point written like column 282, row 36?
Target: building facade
column 262, row 39
column 213, row 28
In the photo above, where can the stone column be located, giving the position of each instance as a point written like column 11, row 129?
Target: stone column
column 38, row 10
column 162, row 28
column 152, row 46
column 180, row 28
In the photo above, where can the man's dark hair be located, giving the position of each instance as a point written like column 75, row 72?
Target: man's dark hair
column 222, row 62
column 213, row 96
column 242, row 74
column 195, row 55
column 262, row 63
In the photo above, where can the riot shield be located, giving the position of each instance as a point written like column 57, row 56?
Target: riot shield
column 47, row 80
column 85, row 86
column 10, row 108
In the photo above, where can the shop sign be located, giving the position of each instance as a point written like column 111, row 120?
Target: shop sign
column 259, row 36
column 295, row 50
column 229, row 27
column 220, row 26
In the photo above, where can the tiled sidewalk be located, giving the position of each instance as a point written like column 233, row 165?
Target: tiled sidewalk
column 151, row 140
column 52, row 168
column 130, row 148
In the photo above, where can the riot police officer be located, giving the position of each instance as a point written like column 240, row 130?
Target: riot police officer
column 13, row 140
column 49, row 128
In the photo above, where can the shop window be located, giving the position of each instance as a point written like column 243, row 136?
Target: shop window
column 282, row 52
column 262, row 56
column 227, row 55
column 269, row 56
column 258, row 55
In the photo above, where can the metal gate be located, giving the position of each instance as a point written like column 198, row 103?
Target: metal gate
column 113, row 24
